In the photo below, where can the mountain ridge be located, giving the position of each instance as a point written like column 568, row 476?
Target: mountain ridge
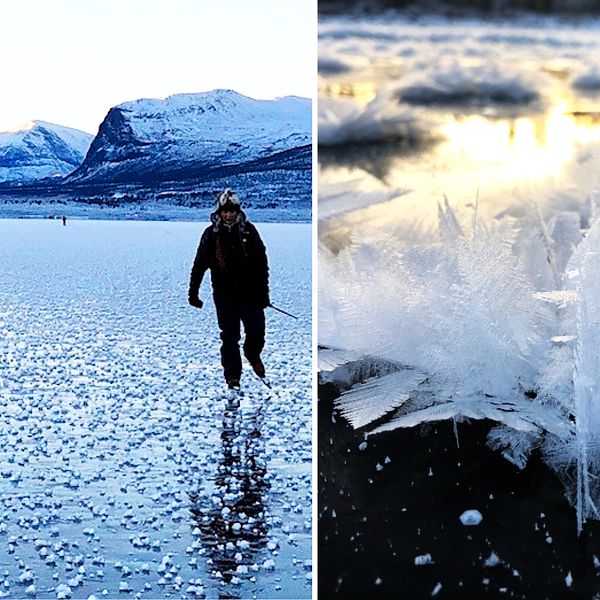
column 168, row 158
column 41, row 150
column 202, row 131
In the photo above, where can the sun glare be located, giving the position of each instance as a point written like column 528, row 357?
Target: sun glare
column 501, row 157
column 525, row 148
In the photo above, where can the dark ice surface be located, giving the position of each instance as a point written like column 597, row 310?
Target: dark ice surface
column 401, row 498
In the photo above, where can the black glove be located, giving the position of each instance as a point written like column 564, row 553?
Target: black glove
column 195, row 302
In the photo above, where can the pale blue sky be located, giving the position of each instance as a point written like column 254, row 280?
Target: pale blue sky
column 69, row 61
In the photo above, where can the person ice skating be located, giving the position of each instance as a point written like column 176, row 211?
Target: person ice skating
column 64, row 220
column 236, row 256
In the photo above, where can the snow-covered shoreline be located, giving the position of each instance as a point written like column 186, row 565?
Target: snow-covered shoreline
column 142, row 213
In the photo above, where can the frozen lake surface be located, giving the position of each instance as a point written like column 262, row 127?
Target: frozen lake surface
column 126, row 471
column 391, row 527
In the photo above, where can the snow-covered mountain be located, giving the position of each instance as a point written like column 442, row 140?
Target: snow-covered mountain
column 192, row 135
column 40, row 150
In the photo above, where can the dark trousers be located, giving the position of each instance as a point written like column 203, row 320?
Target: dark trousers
column 233, row 309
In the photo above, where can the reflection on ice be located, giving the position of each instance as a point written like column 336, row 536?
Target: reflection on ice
column 506, row 161
column 233, row 521
column 523, row 149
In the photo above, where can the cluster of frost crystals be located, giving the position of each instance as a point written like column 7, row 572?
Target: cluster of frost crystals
column 572, row 377
column 343, row 121
column 586, row 379
column 456, row 312
column 450, row 81
column 458, row 326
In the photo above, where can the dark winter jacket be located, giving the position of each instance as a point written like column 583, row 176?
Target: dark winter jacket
column 236, row 257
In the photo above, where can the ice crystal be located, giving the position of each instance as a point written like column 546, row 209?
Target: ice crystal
column 493, row 321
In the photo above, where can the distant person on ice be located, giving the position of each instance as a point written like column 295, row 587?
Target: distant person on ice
column 233, row 251
column 64, row 220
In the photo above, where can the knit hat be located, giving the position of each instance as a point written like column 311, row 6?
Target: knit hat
column 228, row 199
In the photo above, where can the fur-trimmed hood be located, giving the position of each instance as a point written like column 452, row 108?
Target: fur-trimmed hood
column 215, row 219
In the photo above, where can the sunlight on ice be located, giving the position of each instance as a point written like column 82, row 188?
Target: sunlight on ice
column 525, row 148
